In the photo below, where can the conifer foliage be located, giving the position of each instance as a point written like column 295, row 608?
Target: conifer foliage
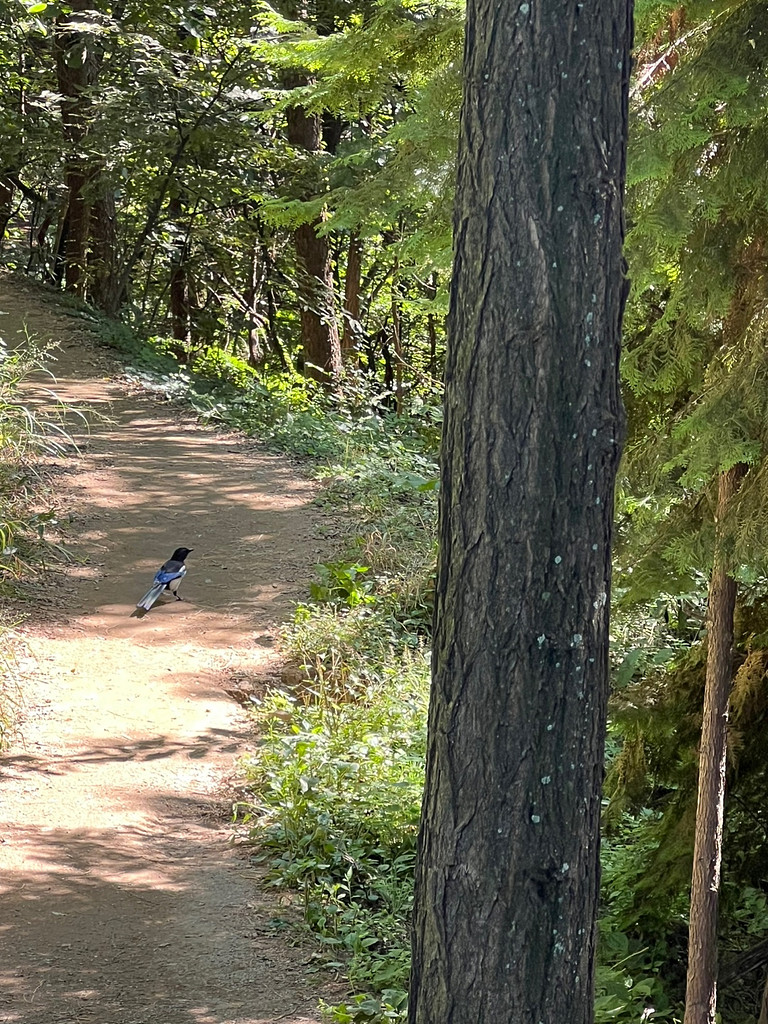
column 696, row 366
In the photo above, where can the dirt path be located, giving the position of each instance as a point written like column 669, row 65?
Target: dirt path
column 122, row 902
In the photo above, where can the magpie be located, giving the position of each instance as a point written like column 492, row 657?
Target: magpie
column 167, row 577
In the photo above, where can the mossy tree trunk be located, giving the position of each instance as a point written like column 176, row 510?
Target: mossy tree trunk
column 508, row 865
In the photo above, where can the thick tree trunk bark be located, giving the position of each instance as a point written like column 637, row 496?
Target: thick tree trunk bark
column 352, row 283
column 319, row 330
column 701, row 989
column 507, row 876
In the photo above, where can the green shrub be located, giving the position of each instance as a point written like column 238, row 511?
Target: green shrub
column 630, row 981
column 28, row 431
column 222, row 368
column 337, row 787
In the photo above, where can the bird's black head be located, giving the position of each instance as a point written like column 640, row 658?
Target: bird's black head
column 180, row 554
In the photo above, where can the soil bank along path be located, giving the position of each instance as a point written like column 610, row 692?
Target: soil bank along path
column 122, row 900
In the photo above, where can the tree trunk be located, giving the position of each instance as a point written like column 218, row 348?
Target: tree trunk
column 432, row 328
column 507, row 875
column 78, row 219
column 352, row 282
column 313, row 132
column 179, row 285
column 7, row 191
column 319, row 330
column 106, row 291
column 76, row 72
column 256, row 276
column 60, row 243
column 397, row 341
column 389, row 369
column 701, row 989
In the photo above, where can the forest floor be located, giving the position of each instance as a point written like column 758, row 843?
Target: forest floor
column 123, row 898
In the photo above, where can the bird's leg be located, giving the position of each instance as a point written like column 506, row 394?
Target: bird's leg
column 178, row 596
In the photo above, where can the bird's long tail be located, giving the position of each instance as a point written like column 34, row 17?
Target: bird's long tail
column 151, row 596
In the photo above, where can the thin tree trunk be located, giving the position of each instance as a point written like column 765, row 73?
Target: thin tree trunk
column 432, row 327
column 701, row 988
column 432, row 335
column 76, row 74
column 105, row 283
column 389, row 368
column 272, row 334
column 397, row 341
column 40, row 252
column 507, row 875
column 256, row 275
column 60, row 243
column 319, row 330
column 352, row 282
column 179, row 284
column 7, row 191
column 148, row 281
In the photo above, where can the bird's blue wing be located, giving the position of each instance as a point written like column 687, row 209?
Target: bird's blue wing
column 169, row 572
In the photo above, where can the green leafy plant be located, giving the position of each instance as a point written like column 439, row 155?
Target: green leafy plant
column 337, row 794
column 29, row 430
column 342, row 583
column 31, row 427
column 223, row 368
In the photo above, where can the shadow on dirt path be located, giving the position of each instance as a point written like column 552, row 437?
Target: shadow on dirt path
column 122, row 902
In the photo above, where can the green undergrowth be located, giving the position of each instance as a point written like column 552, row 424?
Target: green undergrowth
column 31, row 429
column 337, row 784
column 337, row 791
column 338, row 777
